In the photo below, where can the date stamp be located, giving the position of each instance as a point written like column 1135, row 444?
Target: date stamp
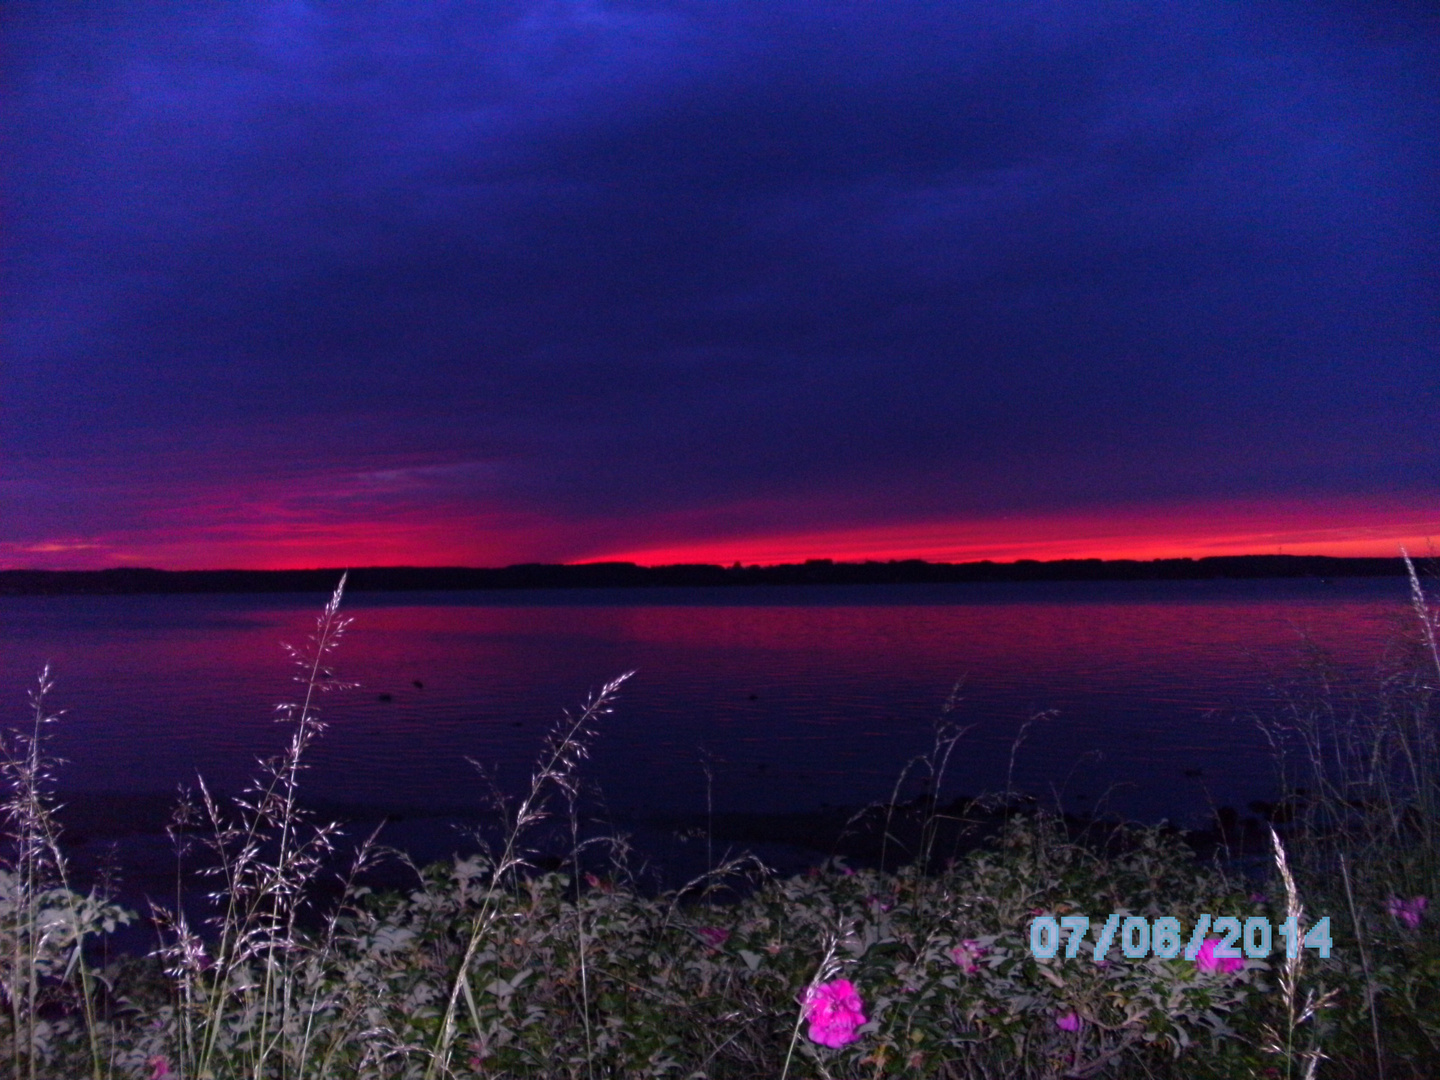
column 1139, row 937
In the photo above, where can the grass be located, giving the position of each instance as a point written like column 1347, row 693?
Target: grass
column 504, row 965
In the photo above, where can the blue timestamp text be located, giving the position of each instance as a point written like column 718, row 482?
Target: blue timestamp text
column 1138, row 937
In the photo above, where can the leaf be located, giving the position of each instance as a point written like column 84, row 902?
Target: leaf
column 391, row 938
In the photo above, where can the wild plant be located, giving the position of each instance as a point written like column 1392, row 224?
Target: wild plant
column 1368, row 769
column 45, row 976
column 1361, row 773
column 1298, row 1011
column 811, row 1002
column 250, row 998
column 934, row 763
column 557, row 771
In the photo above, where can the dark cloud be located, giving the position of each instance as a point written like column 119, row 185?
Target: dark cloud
column 605, row 264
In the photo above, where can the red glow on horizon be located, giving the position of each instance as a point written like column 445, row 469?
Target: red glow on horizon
column 1193, row 533
column 282, row 539
column 294, row 545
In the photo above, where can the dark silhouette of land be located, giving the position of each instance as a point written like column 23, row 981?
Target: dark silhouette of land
column 630, row 576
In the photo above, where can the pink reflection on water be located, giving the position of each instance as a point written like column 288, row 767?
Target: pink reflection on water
column 800, row 696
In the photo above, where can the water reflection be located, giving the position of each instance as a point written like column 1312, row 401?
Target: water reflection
column 797, row 697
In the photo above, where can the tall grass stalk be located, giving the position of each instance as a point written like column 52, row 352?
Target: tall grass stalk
column 1370, row 987
column 267, row 856
column 829, row 967
column 1369, row 776
column 1297, row 1011
column 43, row 922
column 556, row 771
column 1365, row 833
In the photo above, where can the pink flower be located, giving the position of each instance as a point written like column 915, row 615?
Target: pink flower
column 605, row 885
column 1208, row 961
column 713, row 936
column 159, row 1068
column 1408, row 911
column 966, row 953
column 1068, row 1022
column 834, row 1010
column 479, row 1051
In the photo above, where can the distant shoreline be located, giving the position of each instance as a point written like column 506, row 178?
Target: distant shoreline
column 136, row 580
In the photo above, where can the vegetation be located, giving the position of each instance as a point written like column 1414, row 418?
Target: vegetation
column 496, row 966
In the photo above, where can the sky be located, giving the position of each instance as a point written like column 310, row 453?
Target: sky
column 345, row 284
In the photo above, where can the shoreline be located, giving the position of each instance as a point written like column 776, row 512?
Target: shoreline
column 122, row 838
column 146, row 581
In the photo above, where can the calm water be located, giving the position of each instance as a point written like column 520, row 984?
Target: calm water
column 796, row 697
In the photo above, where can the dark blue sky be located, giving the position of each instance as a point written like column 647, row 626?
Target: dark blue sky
column 313, row 284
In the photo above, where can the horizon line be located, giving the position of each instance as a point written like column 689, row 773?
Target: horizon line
column 817, row 561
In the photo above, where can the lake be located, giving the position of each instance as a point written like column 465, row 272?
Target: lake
column 790, row 697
